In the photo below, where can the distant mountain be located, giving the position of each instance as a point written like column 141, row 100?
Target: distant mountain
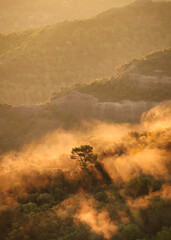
column 19, row 14
column 139, row 86
column 80, row 51
column 9, row 42
column 143, row 79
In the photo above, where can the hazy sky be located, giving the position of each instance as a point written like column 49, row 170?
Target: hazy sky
column 19, row 14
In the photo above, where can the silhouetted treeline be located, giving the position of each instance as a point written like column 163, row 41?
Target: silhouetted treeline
column 147, row 79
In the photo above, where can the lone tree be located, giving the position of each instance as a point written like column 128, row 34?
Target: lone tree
column 84, row 155
column 86, row 159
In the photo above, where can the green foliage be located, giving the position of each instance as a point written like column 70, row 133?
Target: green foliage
column 101, row 197
column 139, row 186
column 35, row 216
column 156, row 216
column 130, row 232
column 44, row 198
column 164, row 234
column 46, row 205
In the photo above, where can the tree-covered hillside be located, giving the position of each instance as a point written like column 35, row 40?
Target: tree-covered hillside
column 116, row 187
column 80, row 51
column 19, row 14
column 147, row 78
column 135, row 88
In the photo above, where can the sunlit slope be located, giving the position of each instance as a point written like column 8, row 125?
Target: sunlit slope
column 121, row 192
column 80, row 51
column 147, row 79
column 19, row 14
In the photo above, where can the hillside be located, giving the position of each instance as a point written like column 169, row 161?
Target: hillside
column 12, row 41
column 85, row 120
column 122, row 192
column 18, row 14
column 80, row 51
column 23, row 124
column 147, row 79
column 136, row 88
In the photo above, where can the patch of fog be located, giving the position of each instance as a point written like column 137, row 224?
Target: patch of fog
column 28, row 109
column 86, row 107
column 148, row 80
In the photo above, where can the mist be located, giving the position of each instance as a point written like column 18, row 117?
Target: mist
column 85, row 120
column 19, row 15
column 144, row 148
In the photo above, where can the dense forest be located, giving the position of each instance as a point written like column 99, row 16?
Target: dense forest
column 41, row 61
column 85, row 120
column 116, row 187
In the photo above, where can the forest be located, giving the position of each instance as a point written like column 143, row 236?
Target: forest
column 85, row 120
column 145, row 78
column 63, row 54
column 114, row 184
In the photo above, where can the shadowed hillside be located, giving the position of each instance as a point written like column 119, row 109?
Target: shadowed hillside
column 26, row 123
column 80, row 51
column 137, row 87
column 23, row 124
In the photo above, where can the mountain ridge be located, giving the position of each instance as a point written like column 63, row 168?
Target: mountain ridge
column 81, row 51
column 140, row 77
